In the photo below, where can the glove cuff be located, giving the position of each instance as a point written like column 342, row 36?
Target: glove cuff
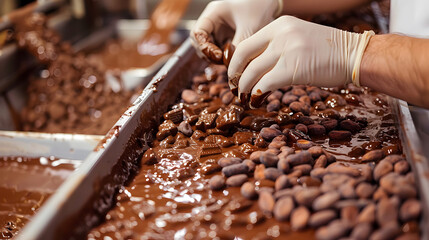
column 366, row 36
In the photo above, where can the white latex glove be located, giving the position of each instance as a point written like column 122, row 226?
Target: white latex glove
column 290, row 51
column 233, row 20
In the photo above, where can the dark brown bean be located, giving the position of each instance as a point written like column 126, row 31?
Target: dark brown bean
column 276, row 144
column 268, row 133
column 373, row 156
column 273, row 105
column 381, row 169
column 386, row 212
column 185, row 128
column 402, row 167
column 306, row 196
column 303, row 144
column 335, row 230
column 361, row 231
column 282, row 182
column 303, row 157
column 300, row 107
column 326, row 200
column 190, row 96
column 339, row 135
column 224, row 162
column 367, row 214
column 299, row 218
column 321, row 218
column 236, row 180
column 275, row 95
column 248, row 190
column 349, row 214
column 365, row 190
column 288, row 192
column 393, row 158
column 315, row 151
column 388, row 231
column 316, row 130
column 301, row 127
column 250, row 164
column 410, row 210
column 283, row 165
column 269, row 159
column 272, row 173
column 342, row 169
column 227, row 98
column 235, row 169
column 349, row 125
column 255, row 156
column 283, row 208
column 217, row 182
column 288, row 99
column 320, row 162
column 318, row 173
column 329, row 124
column 259, row 173
column 266, row 202
column 304, row 168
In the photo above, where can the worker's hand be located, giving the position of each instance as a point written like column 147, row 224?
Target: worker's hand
column 233, row 20
column 291, row 51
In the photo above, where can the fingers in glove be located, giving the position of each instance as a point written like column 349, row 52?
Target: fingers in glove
column 257, row 68
column 245, row 52
column 271, row 81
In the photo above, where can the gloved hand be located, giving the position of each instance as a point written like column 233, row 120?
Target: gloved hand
column 233, row 20
column 291, row 51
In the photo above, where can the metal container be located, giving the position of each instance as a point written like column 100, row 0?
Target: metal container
column 73, row 204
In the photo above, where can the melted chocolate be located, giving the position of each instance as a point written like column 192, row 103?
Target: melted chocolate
column 25, row 184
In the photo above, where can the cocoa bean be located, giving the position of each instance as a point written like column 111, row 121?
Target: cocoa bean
column 215, row 89
column 303, row 157
column 314, row 96
column 217, row 182
column 320, row 162
column 299, row 218
column 236, row 180
column 282, row 182
column 268, row 159
column 227, row 98
column 248, row 191
column 272, row 173
column 349, row 214
column 235, row 169
column 321, row 218
column 255, row 156
column 379, row 194
column 361, row 231
column 316, row 130
column 386, row 212
column 273, row 105
column 365, row 190
column 393, row 158
column 259, row 173
column 301, row 127
column 250, row 164
column 320, row 106
column 303, row 144
column 318, row 173
column 275, row 95
column 305, row 99
column 306, row 120
column 190, row 96
column 373, row 156
column 224, row 162
column 288, row 192
column 306, row 196
column 304, row 168
column 402, row 167
column 326, row 200
column 315, row 151
column 269, row 133
column 410, row 210
column 283, row 208
column 185, row 128
column 276, row 144
column 288, row 99
column 367, row 215
column 386, row 232
column 329, row 124
column 339, row 135
column 335, row 230
column 283, row 165
column 349, row 125
column 298, row 91
column 342, row 169
column 300, row 107
column 347, row 190
column 266, row 202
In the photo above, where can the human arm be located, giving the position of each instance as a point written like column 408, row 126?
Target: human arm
column 398, row 66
